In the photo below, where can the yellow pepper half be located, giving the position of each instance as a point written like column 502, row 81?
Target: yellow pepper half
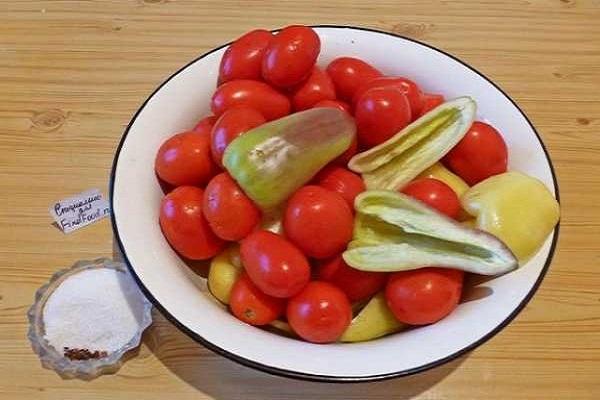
column 517, row 208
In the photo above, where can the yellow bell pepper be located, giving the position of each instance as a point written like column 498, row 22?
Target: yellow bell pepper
column 517, row 208
column 225, row 269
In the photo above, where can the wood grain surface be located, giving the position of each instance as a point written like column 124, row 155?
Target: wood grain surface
column 72, row 73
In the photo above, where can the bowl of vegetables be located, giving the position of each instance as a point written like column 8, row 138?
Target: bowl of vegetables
column 334, row 203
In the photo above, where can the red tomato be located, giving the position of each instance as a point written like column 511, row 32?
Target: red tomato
column 318, row 221
column 345, row 157
column 251, row 305
column 436, row 194
column 358, row 285
column 340, row 105
column 380, row 113
column 431, row 101
column 254, row 94
column 184, row 159
column 243, row 58
column 290, row 56
column 184, row 225
column 409, row 88
column 230, row 213
column 275, row 265
column 423, row 296
column 320, row 313
column 318, row 87
column 480, row 154
column 348, row 74
column 231, row 124
column 205, row 124
column 342, row 181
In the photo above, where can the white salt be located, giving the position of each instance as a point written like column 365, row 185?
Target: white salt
column 98, row 309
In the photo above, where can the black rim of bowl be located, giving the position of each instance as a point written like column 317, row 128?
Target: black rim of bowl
column 318, row 377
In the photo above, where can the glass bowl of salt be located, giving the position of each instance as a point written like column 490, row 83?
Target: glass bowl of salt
column 86, row 318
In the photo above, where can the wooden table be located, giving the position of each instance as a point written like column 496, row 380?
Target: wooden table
column 72, row 74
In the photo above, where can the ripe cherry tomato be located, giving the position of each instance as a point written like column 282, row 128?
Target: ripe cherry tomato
column 275, row 265
column 290, row 56
column 318, row 87
column 409, row 88
column 320, row 313
column 340, row 105
column 348, row 74
column 358, row 285
column 435, row 194
column 205, row 124
column 184, row 225
column 342, row 181
column 231, row 124
column 380, row 113
column 251, row 305
column 431, row 101
column 230, row 213
column 423, row 296
column 254, row 94
column 318, row 221
column 243, row 58
column 480, row 154
column 345, row 157
column 184, row 159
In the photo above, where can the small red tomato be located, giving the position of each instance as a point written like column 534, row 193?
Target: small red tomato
column 251, row 305
column 231, row 124
column 358, row 285
column 290, row 56
column 205, row 125
column 431, row 101
column 320, row 313
column 348, row 74
column 340, row 105
column 318, row 221
column 254, row 94
column 318, row 87
column 184, row 159
column 345, row 157
column 436, row 194
column 410, row 89
column 184, row 225
column 423, row 296
column 380, row 113
column 342, row 181
column 243, row 58
column 230, row 213
column 275, row 265
column 480, row 154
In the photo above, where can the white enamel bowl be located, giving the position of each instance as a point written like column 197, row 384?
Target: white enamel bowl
column 184, row 98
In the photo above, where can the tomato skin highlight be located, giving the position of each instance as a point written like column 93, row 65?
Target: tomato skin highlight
column 409, row 88
column 436, row 194
column 243, row 58
column 184, row 225
column 230, row 213
column 318, row 87
column 342, row 181
column 274, row 264
column 290, row 56
column 318, row 221
column 348, row 74
column 357, row 285
column 254, row 94
column 481, row 153
column 233, row 123
column 380, row 113
column 251, row 305
column 320, row 313
column 423, row 296
column 184, row 159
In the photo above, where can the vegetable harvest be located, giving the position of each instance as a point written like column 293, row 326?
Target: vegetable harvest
column 338, row 204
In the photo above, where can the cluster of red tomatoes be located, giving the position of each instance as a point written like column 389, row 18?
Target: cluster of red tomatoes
column 301, row 274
